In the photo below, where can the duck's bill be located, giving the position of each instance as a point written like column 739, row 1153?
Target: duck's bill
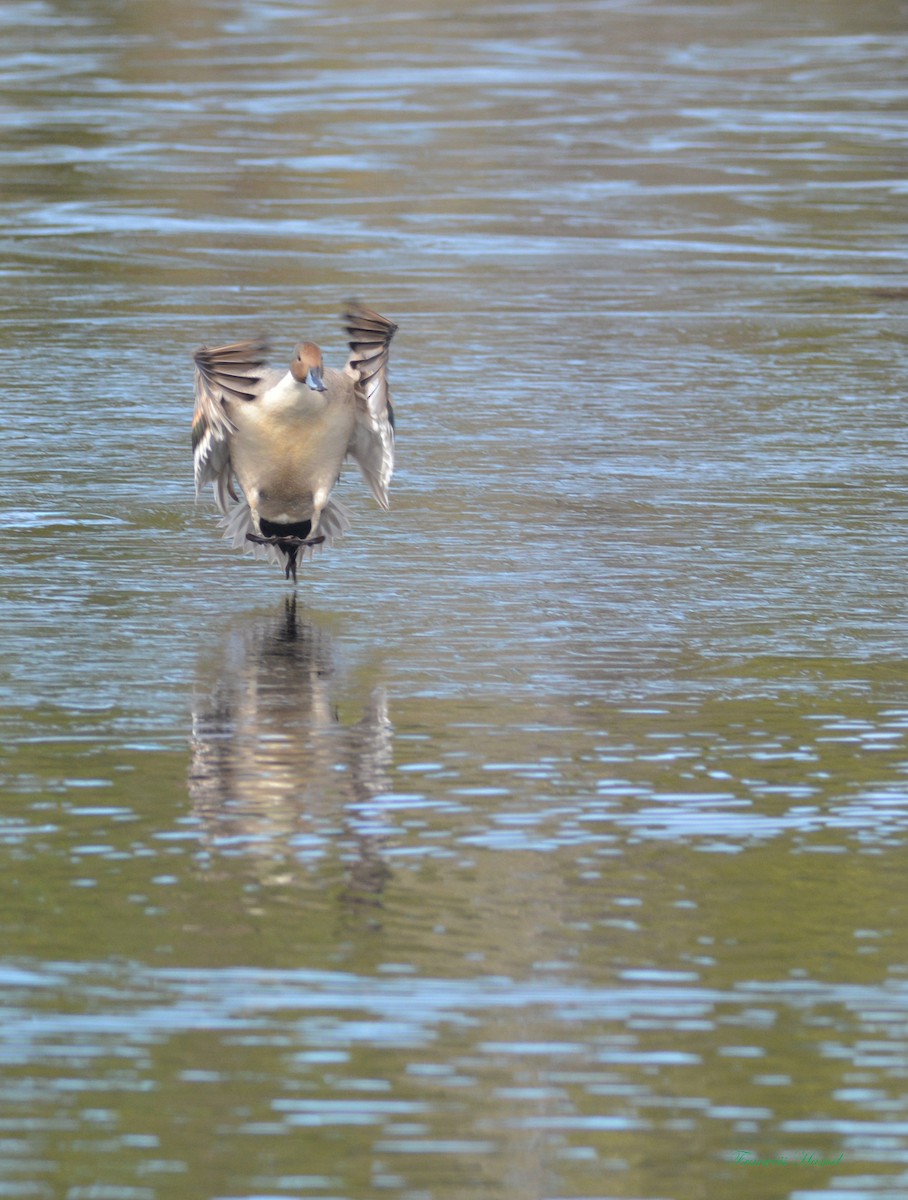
column 314, row 379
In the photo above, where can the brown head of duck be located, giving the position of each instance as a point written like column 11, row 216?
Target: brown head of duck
column 307, row 366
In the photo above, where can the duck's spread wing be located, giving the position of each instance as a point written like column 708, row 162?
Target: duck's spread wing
column 226, row 373
column 372, row 443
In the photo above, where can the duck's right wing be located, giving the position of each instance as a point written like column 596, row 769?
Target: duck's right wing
column 226, row 373
column 372, row 443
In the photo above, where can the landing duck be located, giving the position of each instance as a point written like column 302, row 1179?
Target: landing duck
column 282, row 436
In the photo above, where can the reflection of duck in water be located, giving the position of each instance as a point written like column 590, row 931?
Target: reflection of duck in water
column 273, row 769
column 285, row 435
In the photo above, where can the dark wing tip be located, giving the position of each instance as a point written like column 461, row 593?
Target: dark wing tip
column 232, row 370
column 358, row 319
column 247, row 355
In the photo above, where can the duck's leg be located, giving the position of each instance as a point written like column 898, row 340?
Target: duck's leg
column 287, row 545
column 283, row 543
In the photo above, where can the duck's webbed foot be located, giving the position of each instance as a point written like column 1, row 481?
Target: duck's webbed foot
column 290, row 546
column 284, row 543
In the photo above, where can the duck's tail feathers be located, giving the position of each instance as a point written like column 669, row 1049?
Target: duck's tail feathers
column 334, row 523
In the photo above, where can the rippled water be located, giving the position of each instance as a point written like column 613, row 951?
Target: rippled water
column 550, row 842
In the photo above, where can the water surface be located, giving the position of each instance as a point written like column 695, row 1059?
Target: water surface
column 549, row 842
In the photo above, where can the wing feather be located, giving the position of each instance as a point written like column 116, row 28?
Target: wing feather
column 372, row 443
column 226, row 373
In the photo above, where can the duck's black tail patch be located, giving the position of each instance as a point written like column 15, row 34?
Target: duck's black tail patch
column 271, row 529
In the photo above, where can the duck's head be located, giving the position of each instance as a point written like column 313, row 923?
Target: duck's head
column 307, row 366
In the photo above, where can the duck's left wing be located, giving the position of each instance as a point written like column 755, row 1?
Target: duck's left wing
column 225, row 373
column 372, row 443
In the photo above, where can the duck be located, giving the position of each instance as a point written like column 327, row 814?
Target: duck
column 272, row 441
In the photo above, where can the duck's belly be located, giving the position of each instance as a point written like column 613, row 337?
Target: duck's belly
column 284, row 461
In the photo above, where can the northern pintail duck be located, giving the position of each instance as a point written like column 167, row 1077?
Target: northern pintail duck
column 284, row 435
